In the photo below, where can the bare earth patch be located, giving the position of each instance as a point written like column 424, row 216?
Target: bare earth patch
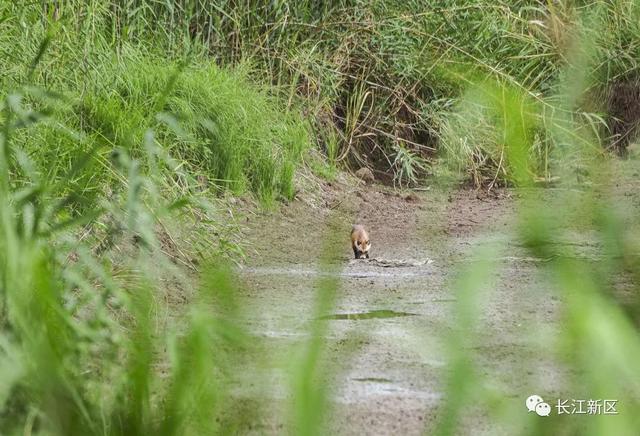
column 387, row 332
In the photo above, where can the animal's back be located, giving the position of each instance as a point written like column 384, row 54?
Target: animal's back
column 357, row 229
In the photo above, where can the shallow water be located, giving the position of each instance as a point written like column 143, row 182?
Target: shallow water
column 378, row 272
column 382, row 313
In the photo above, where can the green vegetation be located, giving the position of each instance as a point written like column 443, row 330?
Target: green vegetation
column 122, row 124
column 216, row 126
column 599, row 338
column 381, row 79
column 378, row 82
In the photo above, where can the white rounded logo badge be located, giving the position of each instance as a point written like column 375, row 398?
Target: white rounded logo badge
column 535, row 403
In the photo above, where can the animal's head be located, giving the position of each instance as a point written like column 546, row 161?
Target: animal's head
column 363, row 246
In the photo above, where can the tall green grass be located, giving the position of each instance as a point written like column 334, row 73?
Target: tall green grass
column 217, row 126
column 114, row 117
column 596, row 340
column 377, row 75
column 92, row 338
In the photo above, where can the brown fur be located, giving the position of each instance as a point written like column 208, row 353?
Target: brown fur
column 360, row 242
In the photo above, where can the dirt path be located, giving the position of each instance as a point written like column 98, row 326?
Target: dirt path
column 387, row 332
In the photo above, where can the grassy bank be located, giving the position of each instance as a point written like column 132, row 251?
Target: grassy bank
column 93, row 97
column 123, row 122
column 112, row 157
column 380, row 81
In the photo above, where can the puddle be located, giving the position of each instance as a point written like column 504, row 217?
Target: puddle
column 373, row 380
column 393, row 263
column 384, row 313
column 444, row 300
column 390, row 272
column 377, row 388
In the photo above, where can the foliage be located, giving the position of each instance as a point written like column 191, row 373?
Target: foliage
column 383, row 76
column 119, row 117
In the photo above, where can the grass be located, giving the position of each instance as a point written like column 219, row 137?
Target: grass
column 91, row 343
column 596, row 327
column 217, row 127
column 104, row 165
column 375, row 80
column 121, row 123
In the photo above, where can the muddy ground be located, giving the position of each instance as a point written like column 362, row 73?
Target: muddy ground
column 388, row 330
